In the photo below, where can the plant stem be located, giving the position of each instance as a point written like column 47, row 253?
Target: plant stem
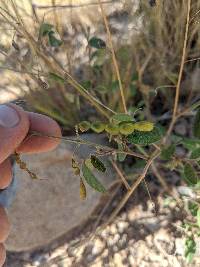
column 113, row 56
column 174, row 117
column 121, row 175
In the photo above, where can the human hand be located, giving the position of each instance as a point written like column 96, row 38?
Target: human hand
column 15, row 124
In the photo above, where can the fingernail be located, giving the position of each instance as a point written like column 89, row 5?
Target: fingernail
column 8, row 116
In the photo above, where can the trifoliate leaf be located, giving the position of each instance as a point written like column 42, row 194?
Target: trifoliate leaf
column 98, row 126
column 97, row 43
column 195, row 154
column 145, row 138
column 167, row 152
column 144, row 126
column 196, row 126
column 121, row 117
column 92, row 180
column 84, row 126
column 97, row 163
column 45, row 28
column 190, row 174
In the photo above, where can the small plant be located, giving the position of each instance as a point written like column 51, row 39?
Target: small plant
column 121, row 95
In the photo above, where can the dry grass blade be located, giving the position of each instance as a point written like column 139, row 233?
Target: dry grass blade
column 180, row 71
column 113, row 56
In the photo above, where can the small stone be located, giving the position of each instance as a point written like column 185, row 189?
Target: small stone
column 98, row 247
column 122, row 226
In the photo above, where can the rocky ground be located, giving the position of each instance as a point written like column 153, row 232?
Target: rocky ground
column 137, row 237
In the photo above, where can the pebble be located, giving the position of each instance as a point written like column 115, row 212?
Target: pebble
column 98, row 247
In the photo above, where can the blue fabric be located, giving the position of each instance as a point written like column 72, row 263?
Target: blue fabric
column 7, row 195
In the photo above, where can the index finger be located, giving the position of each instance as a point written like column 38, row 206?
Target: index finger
column 37, row 144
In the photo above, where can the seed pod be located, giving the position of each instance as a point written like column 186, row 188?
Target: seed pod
column 112, row 129
column 98, row 126
column 97, row 164
column 75, row 167
column 83, row 192
column 84, row 126
column 126, row 128
column 144, row 126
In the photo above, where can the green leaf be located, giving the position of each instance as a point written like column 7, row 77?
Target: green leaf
column 92, row 180
column 121, row 117
column 145, row 138
column 198, row 217
column 45, row 28
column 193, row 208
column 196, row 126
column 97, row 163
column 190, row 249
column 195, row 153
column 53, row 41
column 97, row 43
column 126, row 128
column 112, row 129
column 168, row 152
column 98, row 127
column 190, row 174
column 190, row 144
column 56, row 77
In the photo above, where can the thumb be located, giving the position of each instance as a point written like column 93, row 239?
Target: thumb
column 14, row 126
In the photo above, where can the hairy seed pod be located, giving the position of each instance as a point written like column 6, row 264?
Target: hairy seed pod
column 144, row 126
column 97, row 164
column 126, row 128
column 98, row 127
column 112, row 129
column 84, row 126
column 83, row 192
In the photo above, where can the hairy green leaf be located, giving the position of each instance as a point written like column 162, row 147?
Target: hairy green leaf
column 92, row 180
column 190, row 174
column 167, row 152
column 98, row 127
column 190, row 144
column 196, row 126
column 97, row 43
column 145, row 138
column 98, row 164
column 121, row 117
column 126, row 128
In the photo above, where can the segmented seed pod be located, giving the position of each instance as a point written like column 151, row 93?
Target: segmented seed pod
column 83, row 192
column 144, row 126
column 84, row 126
column 112, row 129
column 75, row 167
column 98, row 127
column 126, row 128
column 97, row 164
